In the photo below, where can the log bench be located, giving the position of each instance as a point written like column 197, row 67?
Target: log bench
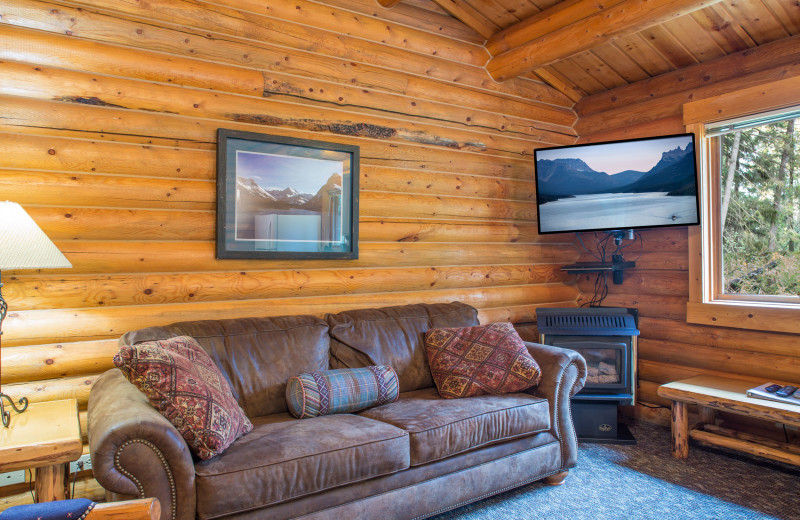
column 712, row 393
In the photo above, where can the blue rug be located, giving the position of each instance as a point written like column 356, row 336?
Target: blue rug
column 615, row 482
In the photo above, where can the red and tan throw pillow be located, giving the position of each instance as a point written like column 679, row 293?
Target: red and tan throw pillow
column 487, row 359
column 183, row 383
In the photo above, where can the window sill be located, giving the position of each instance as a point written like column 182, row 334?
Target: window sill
column 746, row 315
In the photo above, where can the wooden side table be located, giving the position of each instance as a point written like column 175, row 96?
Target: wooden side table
column 46, row 437
column 720, row 393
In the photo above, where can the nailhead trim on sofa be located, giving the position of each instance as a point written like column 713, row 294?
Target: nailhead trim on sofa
column 135, row 480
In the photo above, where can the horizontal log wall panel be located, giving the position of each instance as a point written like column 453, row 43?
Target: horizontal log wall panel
column 647, row 392
column 666, row 283
column 187, row 256
column 669, row 260
column 663, row 126
column 65, row 52
column 109, row 112
column 48, row 291
column 212, row 45
column 77, row 388
column 438, row 183
column 56, row 360
column 379, row 229
column 671, row 307
column 87, row 189
column 658, row 239
column 99, row 156
column 282, row 31
column 421, row 16
column 57, row 325
column 721, row 337
column 518, row 314
column 170, row 130
column 118, row 190
column 72, row 155
column 381, row 204
column 73, row 87
column 339, row 20
column 757, row 364
column 65, row 223
column 87, row 223
column 661, row 373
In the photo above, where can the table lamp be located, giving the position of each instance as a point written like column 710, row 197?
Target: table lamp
column 23, row 245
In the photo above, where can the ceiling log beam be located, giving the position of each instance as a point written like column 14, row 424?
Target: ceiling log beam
column 469, row 16
column 544, row 46
column 547, row 21
column 388, row 3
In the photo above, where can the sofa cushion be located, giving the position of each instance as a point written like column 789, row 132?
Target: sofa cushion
column 393, row 336
column 344, row 390
column 439, row 428
column 488, row 359
column 257, row 355
column 285, row 458
column 181, row 381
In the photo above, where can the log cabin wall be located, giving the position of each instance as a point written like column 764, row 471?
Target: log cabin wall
column 109, row 112
column 669, row 348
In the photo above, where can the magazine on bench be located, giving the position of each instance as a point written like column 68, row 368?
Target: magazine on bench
column 760, row 393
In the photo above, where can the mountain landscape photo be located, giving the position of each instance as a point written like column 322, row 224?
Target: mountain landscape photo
column 617, row 185
column 253, row 199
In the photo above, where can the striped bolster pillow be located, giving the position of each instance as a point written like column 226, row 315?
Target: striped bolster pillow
column 341, row 391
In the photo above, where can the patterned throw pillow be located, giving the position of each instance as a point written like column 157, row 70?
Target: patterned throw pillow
column 183, row 383
column 341, row 391
column 487, row 359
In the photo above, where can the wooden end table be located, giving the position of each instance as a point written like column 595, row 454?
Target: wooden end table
column 46, row 437
column 712, row 393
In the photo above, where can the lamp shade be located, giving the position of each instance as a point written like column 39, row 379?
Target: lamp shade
column 23, row 245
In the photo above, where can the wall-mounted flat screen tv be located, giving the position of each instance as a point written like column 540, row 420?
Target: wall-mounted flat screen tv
column 631, row 184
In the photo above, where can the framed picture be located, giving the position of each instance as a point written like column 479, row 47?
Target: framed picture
column 279, row 197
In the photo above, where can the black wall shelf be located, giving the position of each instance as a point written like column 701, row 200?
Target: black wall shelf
column 616, row 268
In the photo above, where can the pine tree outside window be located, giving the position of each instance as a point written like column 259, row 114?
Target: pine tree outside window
column 757, row 163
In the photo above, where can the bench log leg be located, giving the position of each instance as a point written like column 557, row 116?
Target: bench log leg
column 680, row 430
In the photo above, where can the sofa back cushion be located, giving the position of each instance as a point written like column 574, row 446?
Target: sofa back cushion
column 256, row 355
column 394, row 336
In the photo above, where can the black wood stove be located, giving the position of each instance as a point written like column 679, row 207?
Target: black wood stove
column 606, row 337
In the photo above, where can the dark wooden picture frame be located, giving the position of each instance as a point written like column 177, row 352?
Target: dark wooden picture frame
column 281, row 197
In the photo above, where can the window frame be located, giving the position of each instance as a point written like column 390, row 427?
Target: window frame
column 707, row 304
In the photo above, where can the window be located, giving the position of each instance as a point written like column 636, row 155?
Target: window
column 745, row 258
column 754, row 162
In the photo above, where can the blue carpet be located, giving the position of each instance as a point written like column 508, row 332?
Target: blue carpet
column 644, row 482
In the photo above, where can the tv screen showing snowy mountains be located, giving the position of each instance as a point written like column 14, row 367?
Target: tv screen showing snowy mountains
column 617, row 185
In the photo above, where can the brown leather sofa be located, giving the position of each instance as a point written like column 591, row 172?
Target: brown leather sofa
column 413, row 458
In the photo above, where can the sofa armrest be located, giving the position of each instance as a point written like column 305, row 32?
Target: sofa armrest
column 136, row 451
column 563, row 375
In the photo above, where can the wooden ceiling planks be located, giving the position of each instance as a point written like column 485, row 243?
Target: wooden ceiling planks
column 669, row 46
column 757, row 20
column 599, row 70
column 717, row 30
column 787, row 14
column 721, row 26
column 423, row 15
